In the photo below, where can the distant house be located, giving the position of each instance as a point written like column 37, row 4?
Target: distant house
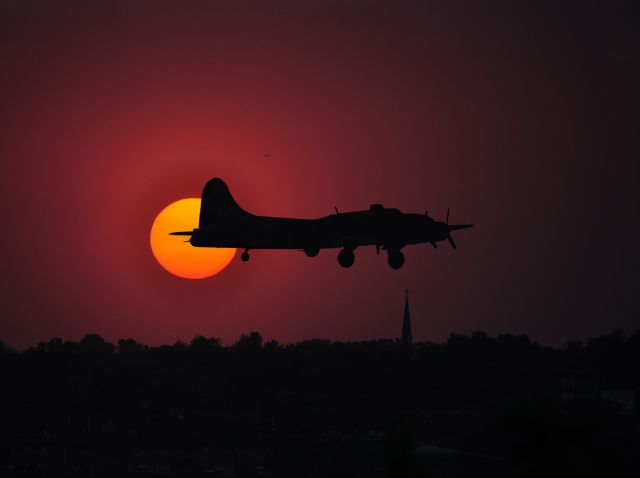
column 589, row 386
column 625, row 399
column 579, row 385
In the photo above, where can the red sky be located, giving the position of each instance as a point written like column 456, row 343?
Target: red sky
column 521, row 120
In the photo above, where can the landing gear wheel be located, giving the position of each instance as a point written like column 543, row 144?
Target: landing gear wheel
column 346, row 258
column 311, row 251
column 395, row 259
column 245, row 256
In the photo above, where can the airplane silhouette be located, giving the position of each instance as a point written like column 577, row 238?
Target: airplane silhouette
column 223, row 223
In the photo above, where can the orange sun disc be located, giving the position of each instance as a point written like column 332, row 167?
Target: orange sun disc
column 177, row 256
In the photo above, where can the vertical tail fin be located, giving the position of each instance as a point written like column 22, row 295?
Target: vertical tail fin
column 217, row 203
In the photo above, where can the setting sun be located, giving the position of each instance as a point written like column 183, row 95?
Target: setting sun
column 177, row 256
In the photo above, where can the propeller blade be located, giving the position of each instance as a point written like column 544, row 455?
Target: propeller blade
column 447, row 221
column 451, row 241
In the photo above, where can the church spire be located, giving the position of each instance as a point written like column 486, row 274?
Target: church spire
column 407, row 339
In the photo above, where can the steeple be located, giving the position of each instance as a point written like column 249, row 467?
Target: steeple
column 407, row 339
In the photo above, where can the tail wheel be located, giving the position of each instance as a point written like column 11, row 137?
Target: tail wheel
column 346, row 258
column 245, row 256
column 395, row 259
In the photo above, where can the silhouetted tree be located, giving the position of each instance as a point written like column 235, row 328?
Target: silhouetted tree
column 130, row 346
column 249, row 343
column 93, row 344
column 180, row 345
column 272, row 346
column 202, row 344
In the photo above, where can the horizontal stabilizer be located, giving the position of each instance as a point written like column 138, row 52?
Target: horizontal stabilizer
column 181, row 233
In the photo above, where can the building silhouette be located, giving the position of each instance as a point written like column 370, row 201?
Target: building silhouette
column 407, row 338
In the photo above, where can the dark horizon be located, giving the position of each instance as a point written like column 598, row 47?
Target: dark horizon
column 473, row 406
column 569, row 342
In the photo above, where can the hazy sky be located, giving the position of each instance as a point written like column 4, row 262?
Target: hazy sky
column 522, row 120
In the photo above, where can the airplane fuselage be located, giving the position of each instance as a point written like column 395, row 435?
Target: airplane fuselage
column 387, row 228
column 223, row 223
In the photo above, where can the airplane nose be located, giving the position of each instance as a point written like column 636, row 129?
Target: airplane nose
column 457, row 227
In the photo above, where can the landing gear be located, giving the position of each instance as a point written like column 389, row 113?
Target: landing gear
column 245, row 255
column 346, row 258
column 311, row 251
column 395, row 259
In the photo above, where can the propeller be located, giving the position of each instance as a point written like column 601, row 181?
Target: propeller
column 451, row 241
column 449, row 237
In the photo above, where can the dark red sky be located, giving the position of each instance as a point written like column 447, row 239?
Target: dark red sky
column 523, row 121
